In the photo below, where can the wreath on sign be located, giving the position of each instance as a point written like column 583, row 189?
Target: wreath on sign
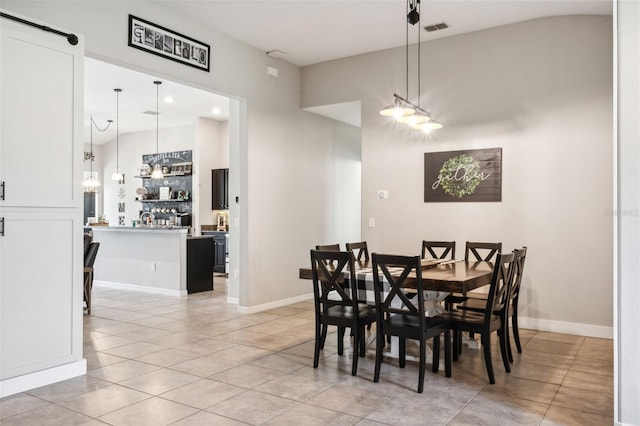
column 463, row 176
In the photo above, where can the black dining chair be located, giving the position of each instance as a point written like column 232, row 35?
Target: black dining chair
column 360, row 251
column 474, row 252
column 329, row 269
column 492, row 318
column 478, row 304
column 438, row 249
column 398, row 315
column 89, row 260
column 481, row 252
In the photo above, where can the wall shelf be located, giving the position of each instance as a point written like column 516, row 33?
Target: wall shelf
column 165, row 175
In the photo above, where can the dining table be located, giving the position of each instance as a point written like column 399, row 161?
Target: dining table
column 439, row 278
column 451, row 276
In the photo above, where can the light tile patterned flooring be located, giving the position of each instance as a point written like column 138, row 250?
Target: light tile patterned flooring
column 158, row 360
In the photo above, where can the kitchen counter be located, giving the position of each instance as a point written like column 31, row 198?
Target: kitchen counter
column 150, row 259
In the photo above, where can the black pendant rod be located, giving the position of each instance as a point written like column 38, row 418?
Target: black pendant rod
column 71, row 38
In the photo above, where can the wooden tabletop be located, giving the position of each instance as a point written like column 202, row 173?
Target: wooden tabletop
column 457, row 277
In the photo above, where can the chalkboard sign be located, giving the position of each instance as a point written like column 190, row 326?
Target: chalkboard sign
column 178, row 179
column 168, row 158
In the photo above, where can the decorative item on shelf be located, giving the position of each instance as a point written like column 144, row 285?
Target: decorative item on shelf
column 117, row 176
column 181, row 168
column 403, row 110
column 91, row 184
column 144, row 170
column 166, row 170
column 165, row 193
column 157, row 171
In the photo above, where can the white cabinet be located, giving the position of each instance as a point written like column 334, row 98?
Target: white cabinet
column 41, row 263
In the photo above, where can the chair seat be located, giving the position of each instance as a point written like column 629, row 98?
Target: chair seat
column 339, row 311
column 476, row 305
column 411, row 321
column 469, row 317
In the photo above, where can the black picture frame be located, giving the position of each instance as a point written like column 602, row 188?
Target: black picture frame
column 463, row 176
column 161, row 41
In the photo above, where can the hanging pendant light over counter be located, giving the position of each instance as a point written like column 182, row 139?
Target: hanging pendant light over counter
column 91, row 184
column 116, row 174
column 157, row 168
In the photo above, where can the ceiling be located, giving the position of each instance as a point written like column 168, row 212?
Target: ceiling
column 308, row 32
column 139, row 96
column 312, row 31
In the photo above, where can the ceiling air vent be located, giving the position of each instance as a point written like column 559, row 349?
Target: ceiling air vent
column 436, row 27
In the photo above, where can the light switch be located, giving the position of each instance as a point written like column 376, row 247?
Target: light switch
column 372, row 222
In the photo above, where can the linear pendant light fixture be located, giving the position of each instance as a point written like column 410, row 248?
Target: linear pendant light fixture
column 116, row 174
column 403, row 110
column 157, row 169
column 91, row 184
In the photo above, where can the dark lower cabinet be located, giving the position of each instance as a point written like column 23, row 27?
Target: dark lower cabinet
column 219, row 253
column 219, row 189
column 199, row 264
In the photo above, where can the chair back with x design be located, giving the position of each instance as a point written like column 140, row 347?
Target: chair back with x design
column 438, row 249
column 481, row 252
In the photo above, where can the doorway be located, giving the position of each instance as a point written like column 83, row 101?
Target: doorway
column 186, row 113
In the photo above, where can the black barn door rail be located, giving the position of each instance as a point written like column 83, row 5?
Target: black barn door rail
column 71, row 38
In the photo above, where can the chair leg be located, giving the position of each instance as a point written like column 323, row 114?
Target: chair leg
column 363, row 343
column 379, row 347
column 456, row 350
column 503, row 335
column 509, row 352
column 421, row 365
column 447, row 353
column 323, row 335
column 341, row 331
column 516, row 332
column 435, row 362
column 356, row 345
column 486, row 345
column 318, row 345
column 402, row 352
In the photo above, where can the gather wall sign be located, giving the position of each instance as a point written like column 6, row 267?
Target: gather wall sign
column 459, row 176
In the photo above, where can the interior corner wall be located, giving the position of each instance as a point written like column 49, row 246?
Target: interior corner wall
column 627, row 288
column 542, row 91
column 272, row 186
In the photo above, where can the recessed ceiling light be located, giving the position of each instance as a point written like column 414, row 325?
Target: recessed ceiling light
column 168, row 100
column 216, row 111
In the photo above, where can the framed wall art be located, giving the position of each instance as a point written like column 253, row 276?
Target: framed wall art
column 459, row 176
column 161, row 41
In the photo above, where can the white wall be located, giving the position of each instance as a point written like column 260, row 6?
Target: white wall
column 627, row 288
column 542, row 91
column 274, row 138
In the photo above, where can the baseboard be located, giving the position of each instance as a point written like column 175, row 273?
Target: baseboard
column 34, row 380
column 273, row 305
column 140, row 288
column 579, row 329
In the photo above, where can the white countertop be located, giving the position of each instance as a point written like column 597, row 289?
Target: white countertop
column 158, row 228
